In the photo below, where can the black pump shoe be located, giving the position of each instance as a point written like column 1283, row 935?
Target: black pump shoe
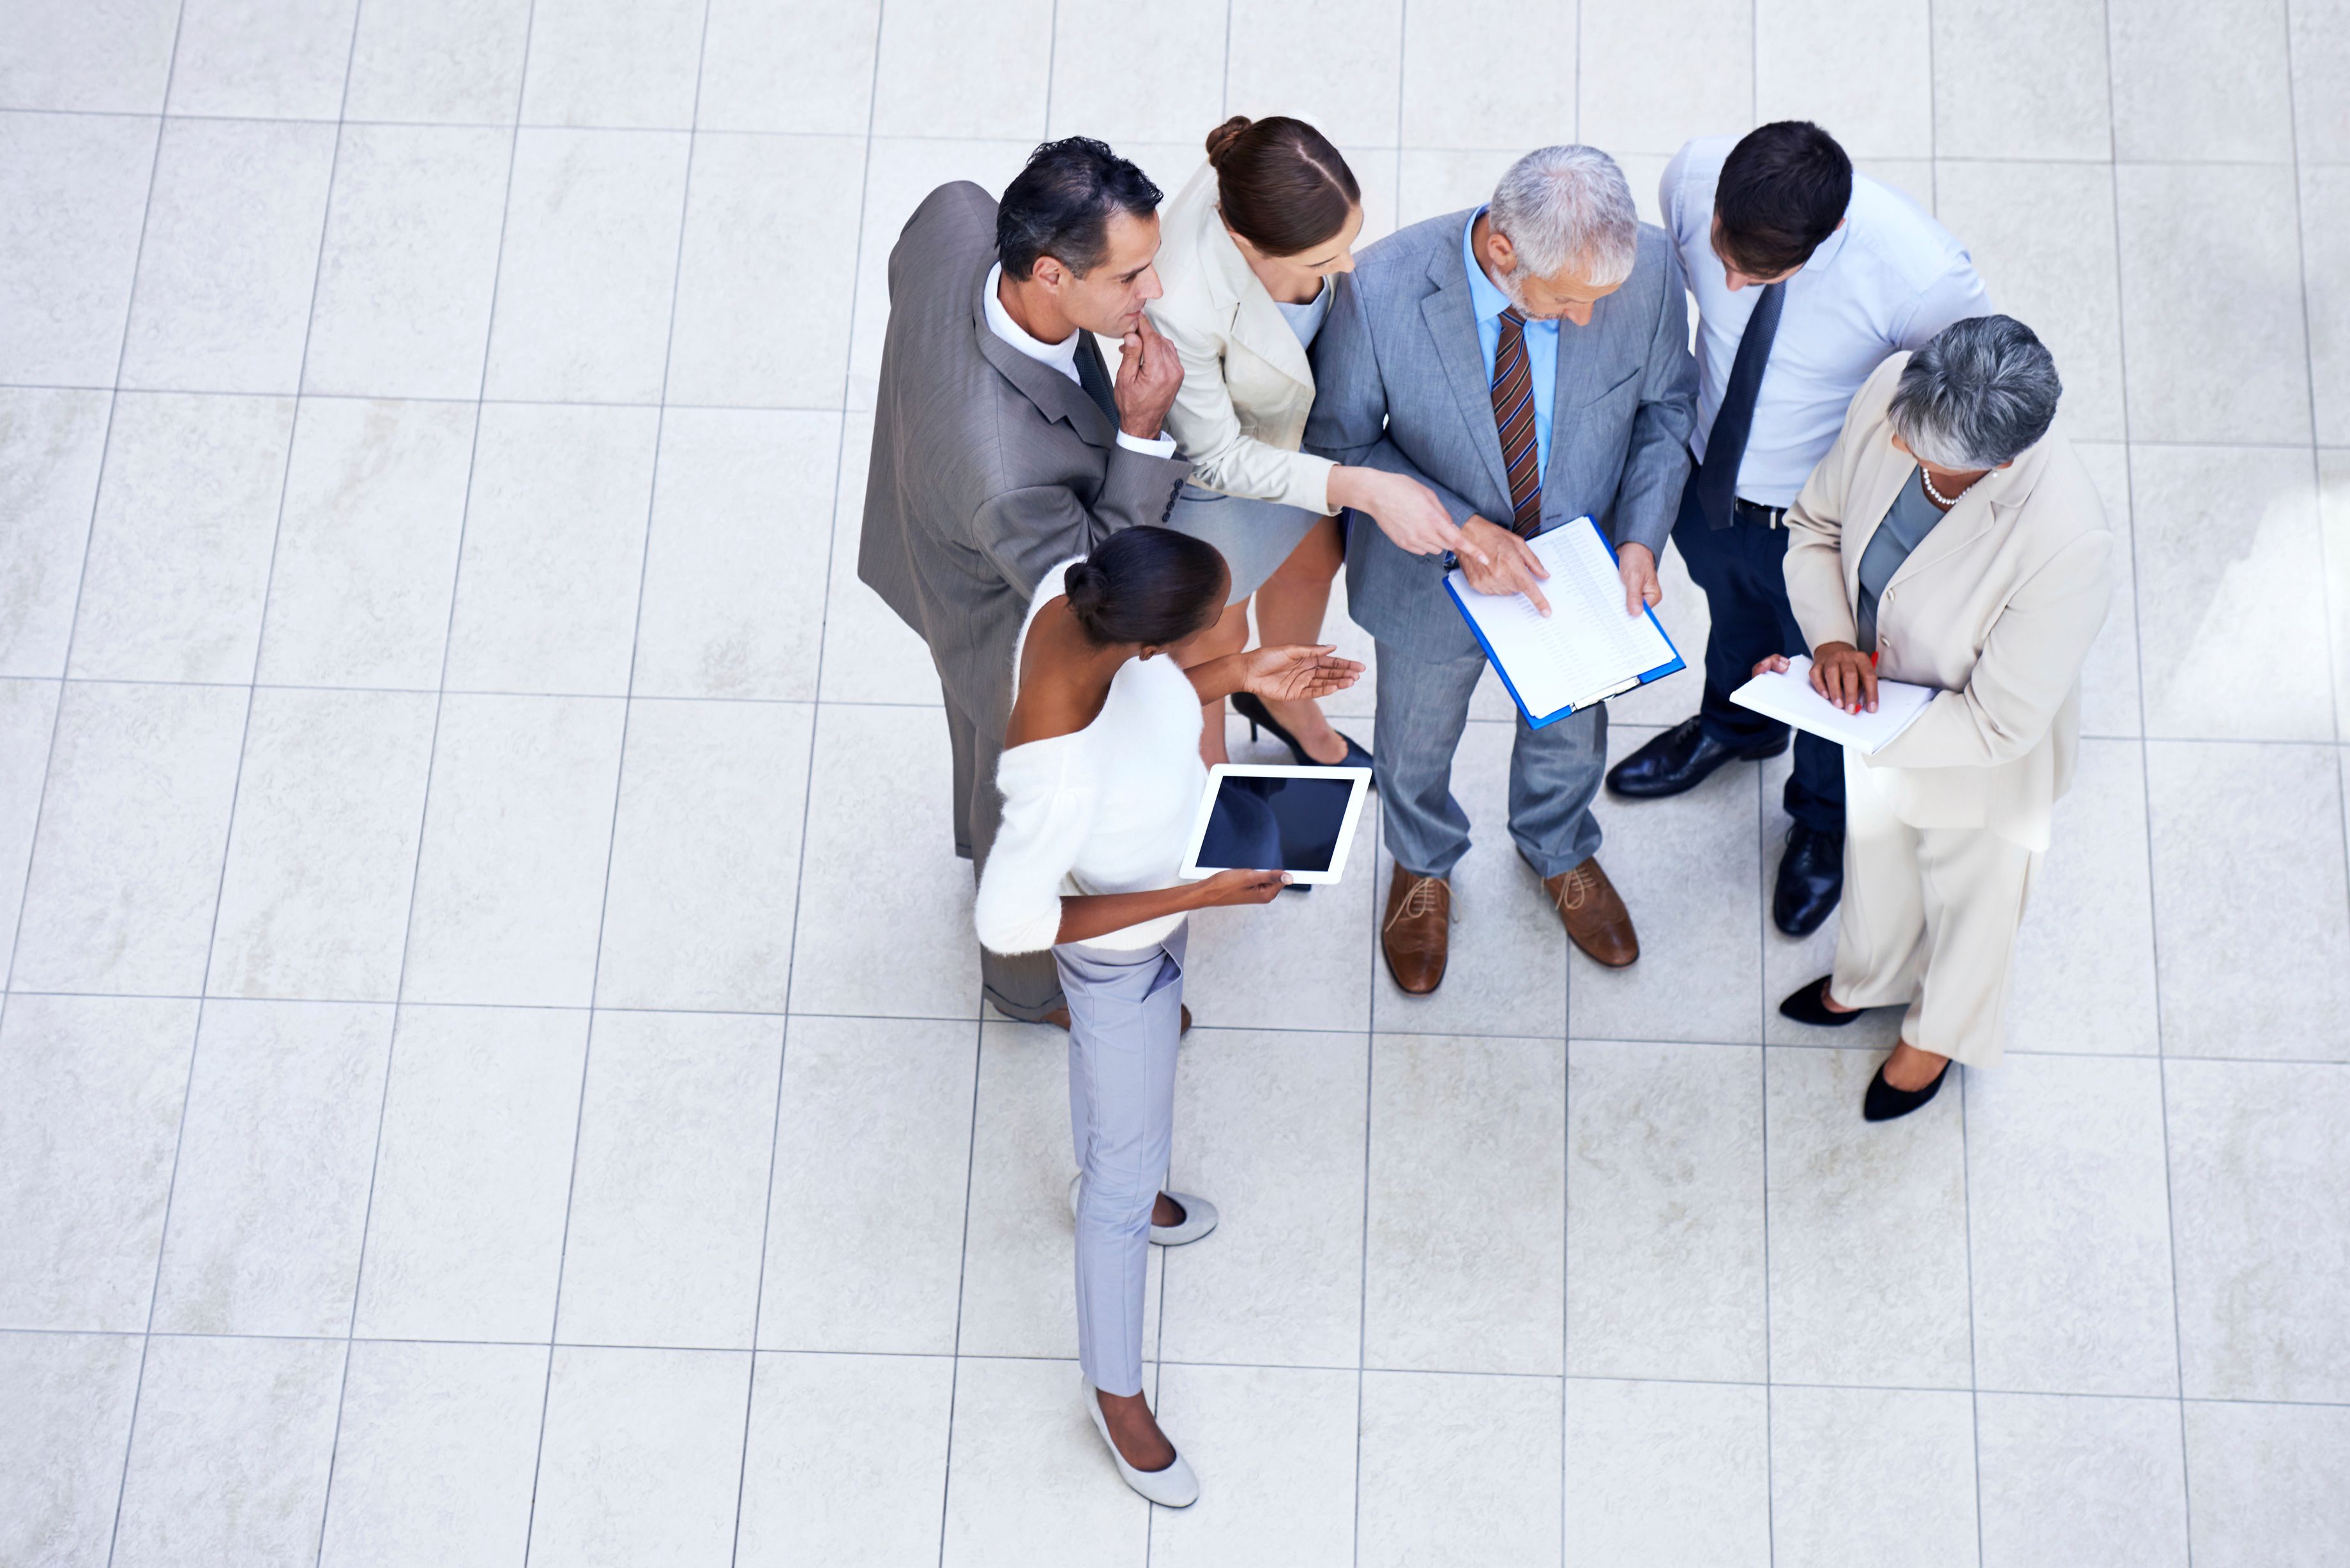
column 1808, row 1004
column 1884, row 1103
column 1247, row 705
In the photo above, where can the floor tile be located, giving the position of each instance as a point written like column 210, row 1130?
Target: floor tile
column 76, row 190
column 2266, row 1484
column 276, row 1155
column 705, row 856
column 1508, row 961
column 314, row 901
column 670, row 1185
column 2259, row 1178
column 553, row 555
column 180, row 548
column 865, row 1229
column 434, row 1462
column 1019, row 1240
column 367, row 546
column 871, row 655
column 1709, row 92
column 1687, row 870
column 1031, row 1482
column 2043, row 236
column 28, row 714
column 1437, row 182
column 741, row 507
column 411, row 262
column 641, row 1457
column 1270, row 1128
column 2080, row 1483
column 403, row 68
column 51, row 444
column 1304, row 961
column 2181, row 319
column 466, row 1232
column 2084, row 959
column 1851, row 65
column 876, row 878
column 1275, row 1448
column 2021, row 78
column 1831, row 1452
column 1667, row 1472
column 1457, row 1468
column 613, row 63
column 262, row 59
column 1868, row 1240
column 949, row 70
column 1097, row 46
column 110, row 55
column 2068, row 1212
column 2321, row 73
column 231, row 256
column 2286, row 994
column 61, row 1453
column 2111, row 703
column 2231, row 583
column 126, row 870
column 1665, row 1242
column 755, row 326
column 517, row 838
column 230, row 1453
column 1453, row 96
column 1351, row 97
column 591, row 235
column 1467, row 1204
column 2325, row 235
column 846, row 1460
column 825, row 51
column 88, row 1123
column 2190, row 81
column 2333, row 524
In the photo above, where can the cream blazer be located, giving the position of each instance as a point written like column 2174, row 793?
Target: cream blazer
column 1996, row 607
column 1247, row 388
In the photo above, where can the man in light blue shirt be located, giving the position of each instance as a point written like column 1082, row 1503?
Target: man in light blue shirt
column 1540, row 336
column 1806, row 277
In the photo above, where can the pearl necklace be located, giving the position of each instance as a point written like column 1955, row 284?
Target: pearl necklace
column 1936, row 496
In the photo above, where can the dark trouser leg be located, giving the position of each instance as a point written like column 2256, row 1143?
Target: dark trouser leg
column 1026, row 985
column 1746, row 599
column 1814, row 791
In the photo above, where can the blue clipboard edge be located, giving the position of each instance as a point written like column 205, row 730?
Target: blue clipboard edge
column 1534, row 721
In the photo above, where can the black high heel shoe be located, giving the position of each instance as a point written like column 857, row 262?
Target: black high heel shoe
column 1247, row 705
column 1884, row 1103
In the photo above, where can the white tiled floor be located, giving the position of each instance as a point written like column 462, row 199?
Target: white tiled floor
column 491, row 1067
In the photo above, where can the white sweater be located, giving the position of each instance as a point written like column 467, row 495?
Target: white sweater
column 1104, row 809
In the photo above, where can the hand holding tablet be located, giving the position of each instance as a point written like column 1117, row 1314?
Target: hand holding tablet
column 1265, row 818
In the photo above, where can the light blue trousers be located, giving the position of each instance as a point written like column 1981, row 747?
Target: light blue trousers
column 1126, row 1019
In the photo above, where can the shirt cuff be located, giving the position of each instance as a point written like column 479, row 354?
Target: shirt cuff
column 1163, row 447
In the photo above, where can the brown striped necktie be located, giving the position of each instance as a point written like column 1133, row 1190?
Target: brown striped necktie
column 1513, row 416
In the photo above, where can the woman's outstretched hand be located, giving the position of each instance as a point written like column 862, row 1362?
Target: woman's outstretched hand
column 1297, row 673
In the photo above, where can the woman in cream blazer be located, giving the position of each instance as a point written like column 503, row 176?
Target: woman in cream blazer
column 1250, row 250
column 1948, row 540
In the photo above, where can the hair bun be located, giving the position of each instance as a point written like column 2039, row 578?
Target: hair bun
column 1087, row 586
column 1221, row 139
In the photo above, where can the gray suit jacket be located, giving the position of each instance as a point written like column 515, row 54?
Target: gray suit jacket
column 988, row 469
column 1401, row 385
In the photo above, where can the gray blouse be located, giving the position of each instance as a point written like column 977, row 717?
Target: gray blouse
column 1908, row 522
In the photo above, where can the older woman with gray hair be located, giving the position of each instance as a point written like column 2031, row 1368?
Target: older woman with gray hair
column 1950, row 540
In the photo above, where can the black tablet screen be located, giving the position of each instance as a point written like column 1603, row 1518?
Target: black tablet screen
column 1275, row 824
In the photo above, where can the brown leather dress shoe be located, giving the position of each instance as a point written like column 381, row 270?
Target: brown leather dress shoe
column 1413, row 937
column 1593, row 914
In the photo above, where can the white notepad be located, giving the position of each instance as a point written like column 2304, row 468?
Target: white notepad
column 1787, row 696
column 1587, row 650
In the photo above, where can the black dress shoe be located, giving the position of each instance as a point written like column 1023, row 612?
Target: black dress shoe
column 1883, row 1102
column 1808, row 1004
column 1678, row 760
column 1811, row 881
column 1259, row 717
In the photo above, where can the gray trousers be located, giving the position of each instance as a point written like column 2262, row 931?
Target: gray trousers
column 1555, row 772
column 1021, row 985
column 1126, row 1019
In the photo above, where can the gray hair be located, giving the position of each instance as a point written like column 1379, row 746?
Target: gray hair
column 1563, row 205
column 1981, row 391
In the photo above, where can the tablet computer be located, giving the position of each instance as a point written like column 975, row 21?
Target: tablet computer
column 1261, row 818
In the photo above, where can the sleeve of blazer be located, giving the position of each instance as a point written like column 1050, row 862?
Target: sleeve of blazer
column 1207, row 428
column 1658, row 463
column 1349, row 422
column 1028, row 532
column 2027, row 667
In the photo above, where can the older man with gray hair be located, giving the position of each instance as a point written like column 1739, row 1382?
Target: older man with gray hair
column 1528, row 361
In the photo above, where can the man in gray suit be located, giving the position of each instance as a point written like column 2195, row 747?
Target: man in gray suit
column 1529, row 362
column 1001, row 446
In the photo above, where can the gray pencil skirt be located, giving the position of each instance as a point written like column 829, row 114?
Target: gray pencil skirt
column 1255, row 536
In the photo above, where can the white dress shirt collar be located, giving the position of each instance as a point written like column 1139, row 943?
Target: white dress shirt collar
column 1061, row 356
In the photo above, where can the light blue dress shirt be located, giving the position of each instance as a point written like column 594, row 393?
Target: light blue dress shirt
column 1542, row 344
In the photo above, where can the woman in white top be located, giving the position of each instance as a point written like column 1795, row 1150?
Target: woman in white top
column 1250, row 252
column 1101, row 777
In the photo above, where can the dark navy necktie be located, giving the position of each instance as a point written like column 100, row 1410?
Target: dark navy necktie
column 1717, row 476
column 1094, row 377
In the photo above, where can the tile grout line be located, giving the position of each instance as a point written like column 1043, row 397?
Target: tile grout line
column 1762, row 883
